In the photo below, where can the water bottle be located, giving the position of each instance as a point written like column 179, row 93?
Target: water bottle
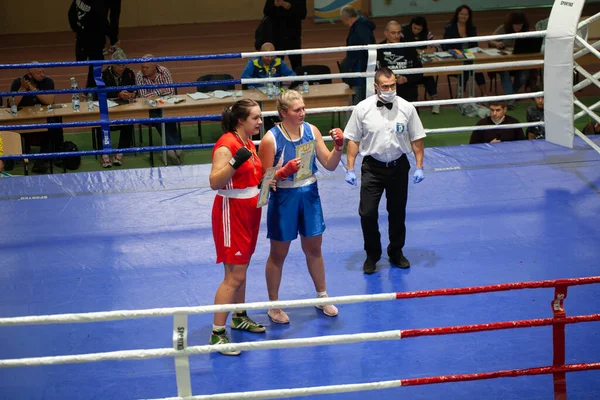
column 13, row 107
column 90, row 101
column 269, row 87
column 75, row 97
column 151, row 103
column 305, row 84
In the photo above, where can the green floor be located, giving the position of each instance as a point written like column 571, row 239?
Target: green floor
column 447, row 118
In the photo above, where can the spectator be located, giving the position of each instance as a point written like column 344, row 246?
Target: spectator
column 535, row 113
column 360, row 33
column 494, row 135
column 286, row 23
column 153, row 74
column 266, row 66
column 515, row 22
column 119, row 75
column 591, row 128
column 35, row 79
column 263, row 67
column 461, row 26
column 400, row 58
column 113, row 10
column 417, row 31
column 88, row 20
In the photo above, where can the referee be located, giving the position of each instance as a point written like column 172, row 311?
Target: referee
column 384, row 128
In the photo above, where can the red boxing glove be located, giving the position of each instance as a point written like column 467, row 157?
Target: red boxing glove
column 288, row 169
column 338, row 138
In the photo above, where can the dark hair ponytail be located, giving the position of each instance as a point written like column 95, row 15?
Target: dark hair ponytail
column 239, row 110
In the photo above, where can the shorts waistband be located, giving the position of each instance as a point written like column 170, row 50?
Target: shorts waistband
column 293, row 184
column 246, row 193
column 389, row 164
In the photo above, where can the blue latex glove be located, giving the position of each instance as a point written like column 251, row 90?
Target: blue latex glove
column 419, row 175
column 351, row 177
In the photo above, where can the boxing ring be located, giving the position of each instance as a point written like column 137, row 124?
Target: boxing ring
column 107, row 276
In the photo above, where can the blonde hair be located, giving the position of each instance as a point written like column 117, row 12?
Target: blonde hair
column 285, row 100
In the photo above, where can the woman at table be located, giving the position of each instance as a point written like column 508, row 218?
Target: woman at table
column 119, row 75
column 295, row 205
column 236, row 173
column 461, row 26
column 515, row 22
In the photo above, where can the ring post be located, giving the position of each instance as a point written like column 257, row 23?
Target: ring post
column 558, row 71
column 103, row 105
column 182, row 361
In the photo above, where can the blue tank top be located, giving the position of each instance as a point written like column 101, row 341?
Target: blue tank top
column 286, row 149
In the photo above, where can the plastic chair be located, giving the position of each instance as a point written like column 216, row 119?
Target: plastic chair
column 13, row 145
column 210, row 88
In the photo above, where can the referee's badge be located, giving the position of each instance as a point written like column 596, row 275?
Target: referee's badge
column 400, row 127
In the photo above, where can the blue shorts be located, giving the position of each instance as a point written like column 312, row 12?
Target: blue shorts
column 295, row 210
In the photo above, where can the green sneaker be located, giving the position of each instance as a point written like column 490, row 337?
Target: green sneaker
column 243, row 322
column 220, row 337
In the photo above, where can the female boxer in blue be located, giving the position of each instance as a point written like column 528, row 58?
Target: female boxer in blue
column 295, row 205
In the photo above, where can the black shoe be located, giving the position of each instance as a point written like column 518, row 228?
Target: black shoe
column 369, row 266
column 401, row 262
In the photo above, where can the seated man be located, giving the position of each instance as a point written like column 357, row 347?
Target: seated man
column 119, row 75
column 153, row 74
column 35, row 79
column 261, row 67
column 535, row 113
column 400, row 58
column 494, row 135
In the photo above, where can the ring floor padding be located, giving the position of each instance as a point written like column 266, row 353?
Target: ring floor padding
column 137, row 239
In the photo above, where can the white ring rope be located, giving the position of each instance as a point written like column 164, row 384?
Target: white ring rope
column 286, row 393
column 339, row 49
column 168, row 312
column 588, row 21
column 204, row 349
column 408, row 71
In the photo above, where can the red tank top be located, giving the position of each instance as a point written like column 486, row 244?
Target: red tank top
column 250, row 173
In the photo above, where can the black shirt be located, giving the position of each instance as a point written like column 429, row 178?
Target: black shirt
column 402, row 58
column 31, row 100
column 126, row 79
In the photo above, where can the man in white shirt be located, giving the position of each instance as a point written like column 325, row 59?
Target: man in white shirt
column 384, row 128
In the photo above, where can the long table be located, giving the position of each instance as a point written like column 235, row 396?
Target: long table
column 329, row 95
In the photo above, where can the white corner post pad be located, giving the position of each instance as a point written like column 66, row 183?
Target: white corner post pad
column 371, row 67
column 182, row 362
column 558, row 71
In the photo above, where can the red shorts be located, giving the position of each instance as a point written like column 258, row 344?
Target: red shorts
column 235, row 225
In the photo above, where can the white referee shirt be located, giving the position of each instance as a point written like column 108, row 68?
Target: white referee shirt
column 384, row 134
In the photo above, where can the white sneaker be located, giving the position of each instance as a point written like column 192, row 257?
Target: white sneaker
column 278, row 316
column 328, row 309
column 435, row 109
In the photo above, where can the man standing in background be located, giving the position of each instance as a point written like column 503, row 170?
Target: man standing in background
column 88, row 19
column 286, row 20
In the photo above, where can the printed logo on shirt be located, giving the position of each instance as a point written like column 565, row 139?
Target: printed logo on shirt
column 400, row 127
column 239, row 253
column 394, row 61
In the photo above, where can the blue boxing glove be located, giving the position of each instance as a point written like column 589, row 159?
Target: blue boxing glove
column 419, row 175
column 351, row 177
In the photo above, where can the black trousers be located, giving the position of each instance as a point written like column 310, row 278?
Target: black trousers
column 393, row 179
column 89, row 49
